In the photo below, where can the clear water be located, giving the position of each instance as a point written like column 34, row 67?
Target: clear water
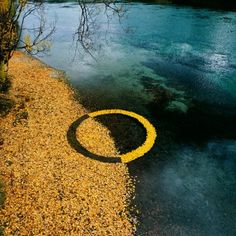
column 177, row 67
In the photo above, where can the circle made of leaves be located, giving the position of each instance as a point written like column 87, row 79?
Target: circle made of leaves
column 123, row 158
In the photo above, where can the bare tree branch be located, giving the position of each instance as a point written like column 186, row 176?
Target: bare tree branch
column 88, row 25
column 13, row 14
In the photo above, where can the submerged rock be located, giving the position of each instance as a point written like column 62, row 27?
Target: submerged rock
column 177, row 106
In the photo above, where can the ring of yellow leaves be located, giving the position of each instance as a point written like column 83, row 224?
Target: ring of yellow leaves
column 132, row 155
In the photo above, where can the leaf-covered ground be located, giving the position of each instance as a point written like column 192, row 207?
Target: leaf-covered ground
column 50, row 188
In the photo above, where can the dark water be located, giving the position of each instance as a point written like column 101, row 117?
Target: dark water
column 177, row 67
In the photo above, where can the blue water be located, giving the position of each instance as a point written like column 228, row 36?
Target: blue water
column 192, row 49
column 176, row 66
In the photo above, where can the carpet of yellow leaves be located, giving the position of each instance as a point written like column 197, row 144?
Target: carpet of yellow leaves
column 50, row 188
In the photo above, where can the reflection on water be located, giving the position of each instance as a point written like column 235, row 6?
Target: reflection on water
column 192, row 193
column 177, row 67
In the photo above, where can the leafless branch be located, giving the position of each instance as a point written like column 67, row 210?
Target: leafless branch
column 88, row 26
column 13, row 15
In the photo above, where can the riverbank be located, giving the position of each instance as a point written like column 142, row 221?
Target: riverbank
column 229, row 5
column 50, row 188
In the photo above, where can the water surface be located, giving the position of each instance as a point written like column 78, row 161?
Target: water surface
column 176, row 66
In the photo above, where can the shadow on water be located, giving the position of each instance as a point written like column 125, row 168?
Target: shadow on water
column 127, row 128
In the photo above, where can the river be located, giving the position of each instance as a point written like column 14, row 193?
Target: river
column 177, row 67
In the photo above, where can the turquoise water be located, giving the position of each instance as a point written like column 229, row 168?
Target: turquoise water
column 176, row 66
